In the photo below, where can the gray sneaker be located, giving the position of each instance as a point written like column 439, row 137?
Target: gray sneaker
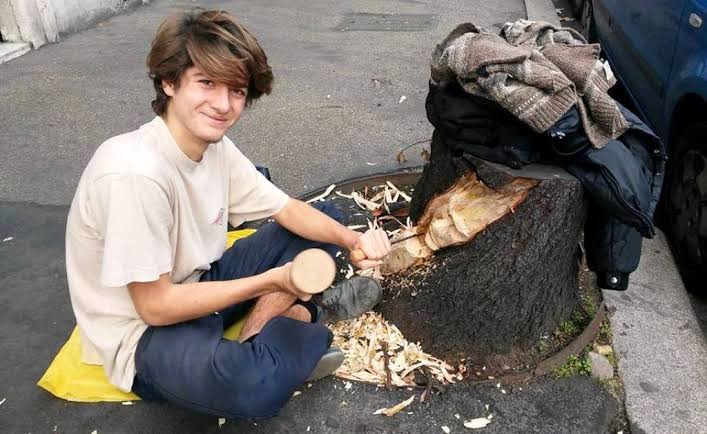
column 349, row 299
column 330, row 362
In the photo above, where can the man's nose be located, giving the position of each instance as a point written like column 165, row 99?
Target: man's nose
column 221, row 100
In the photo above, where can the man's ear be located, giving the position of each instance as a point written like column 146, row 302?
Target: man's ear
column 168, row 88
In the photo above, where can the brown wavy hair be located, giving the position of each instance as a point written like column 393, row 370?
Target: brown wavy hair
column 214, row 41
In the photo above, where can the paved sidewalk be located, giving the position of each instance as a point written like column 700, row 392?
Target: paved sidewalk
column 659, row 335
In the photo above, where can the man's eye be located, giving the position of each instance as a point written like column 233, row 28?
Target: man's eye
column 239, row 92
column 206, row 82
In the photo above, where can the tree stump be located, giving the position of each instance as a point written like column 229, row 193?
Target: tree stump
column 513, row 282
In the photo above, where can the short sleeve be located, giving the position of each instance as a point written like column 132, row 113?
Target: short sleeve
column 251, row 195
column 134, row 215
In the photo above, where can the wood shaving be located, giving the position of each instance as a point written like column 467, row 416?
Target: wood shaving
column 350, row 273
column 446, row 429
column 347, row 196
column 323, row 195
column 378, row 197
column 402, row 193
column 360, row 340
column 354, row 227
column 392, row 411
column 296, row 393
column 364, row 203
column 127, row 403
column 479, row 422
column 221, row 421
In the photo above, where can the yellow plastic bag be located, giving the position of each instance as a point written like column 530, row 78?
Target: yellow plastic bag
column 69, row 378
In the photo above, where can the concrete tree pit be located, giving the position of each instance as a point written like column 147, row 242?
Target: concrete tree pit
column 493, row 269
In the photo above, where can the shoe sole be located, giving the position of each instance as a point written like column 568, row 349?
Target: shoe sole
column 326, row 366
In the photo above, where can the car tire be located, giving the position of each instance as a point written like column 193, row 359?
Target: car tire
column 586, row 21
column 685, row 206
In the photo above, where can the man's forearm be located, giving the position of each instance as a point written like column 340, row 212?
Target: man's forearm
column 312, row 224
column 163, row 303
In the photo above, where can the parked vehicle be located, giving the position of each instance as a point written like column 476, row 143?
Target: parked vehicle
column 658, row 50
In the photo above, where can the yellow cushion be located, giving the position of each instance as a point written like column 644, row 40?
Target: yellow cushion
column 69, row 378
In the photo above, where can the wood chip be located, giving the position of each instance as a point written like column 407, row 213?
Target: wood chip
column 354, row 227
column 402, row 193
column 392, row 411
column 323, row 195
column 604, row 349
column 127, row 403
column 360, row 339
column 221, row 421
column 296, row 393
column 364, row 203
column 446, row 429
column 479, row 422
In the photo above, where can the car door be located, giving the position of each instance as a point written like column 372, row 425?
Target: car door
column 645, row 36
column 604, row 13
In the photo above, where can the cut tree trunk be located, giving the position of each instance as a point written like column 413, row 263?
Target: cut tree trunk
column 513, row 282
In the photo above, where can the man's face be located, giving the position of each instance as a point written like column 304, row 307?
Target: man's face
column 201, row 109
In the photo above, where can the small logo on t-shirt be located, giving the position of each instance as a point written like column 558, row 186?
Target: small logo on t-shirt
column 219, row 218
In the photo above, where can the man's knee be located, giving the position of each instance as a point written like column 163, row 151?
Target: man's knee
column 267, row 403
column 330, row 209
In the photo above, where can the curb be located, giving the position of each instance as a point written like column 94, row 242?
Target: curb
column 541, row 10
column 11, row 50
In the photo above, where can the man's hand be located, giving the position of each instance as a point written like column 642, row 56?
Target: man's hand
column 374, row 243
column 282, row 278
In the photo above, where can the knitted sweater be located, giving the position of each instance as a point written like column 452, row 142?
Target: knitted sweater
column 536, row 71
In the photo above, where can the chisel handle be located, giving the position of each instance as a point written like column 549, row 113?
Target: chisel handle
column 357, row 255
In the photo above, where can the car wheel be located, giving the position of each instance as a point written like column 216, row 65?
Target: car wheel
column 586, row 21
column 686, row 207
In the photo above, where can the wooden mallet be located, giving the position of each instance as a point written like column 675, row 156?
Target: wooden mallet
column 313, row 270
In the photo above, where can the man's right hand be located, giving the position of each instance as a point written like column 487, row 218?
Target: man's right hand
column 282, row 279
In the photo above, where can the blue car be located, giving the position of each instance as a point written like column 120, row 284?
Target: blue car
column 658, row 50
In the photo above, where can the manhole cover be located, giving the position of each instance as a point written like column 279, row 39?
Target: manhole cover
column 388, row 22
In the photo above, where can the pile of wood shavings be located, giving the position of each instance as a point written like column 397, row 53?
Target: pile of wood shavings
column 362, row 340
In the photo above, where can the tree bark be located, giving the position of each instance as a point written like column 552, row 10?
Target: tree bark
column 502, row 290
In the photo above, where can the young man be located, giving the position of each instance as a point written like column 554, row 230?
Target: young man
column 152, row 285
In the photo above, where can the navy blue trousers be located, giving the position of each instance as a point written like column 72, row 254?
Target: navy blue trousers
column 191, row 365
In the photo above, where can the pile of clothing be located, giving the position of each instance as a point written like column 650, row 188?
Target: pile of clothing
column 537, row 93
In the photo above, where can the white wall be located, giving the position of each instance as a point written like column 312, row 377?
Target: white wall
column 8, row 24
column 42, row 21
column 75, row 15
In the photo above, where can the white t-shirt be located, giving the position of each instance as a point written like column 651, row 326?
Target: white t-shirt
column 143, row 208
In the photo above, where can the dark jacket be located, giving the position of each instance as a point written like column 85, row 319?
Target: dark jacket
column 623, row 178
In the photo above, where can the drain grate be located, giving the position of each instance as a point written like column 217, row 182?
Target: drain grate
column 387, row 22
